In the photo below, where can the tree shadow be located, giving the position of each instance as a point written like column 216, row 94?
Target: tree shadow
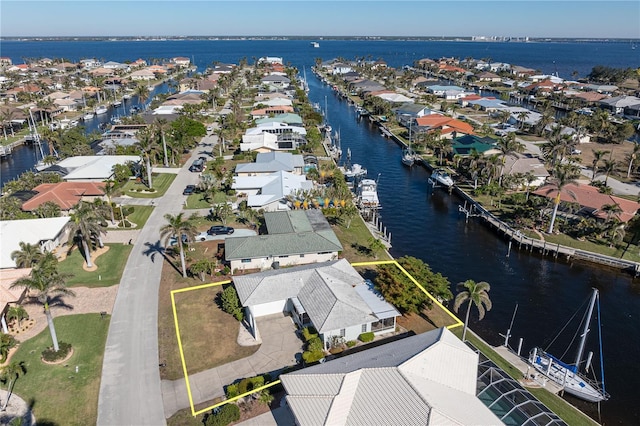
column 362, row 250
column 153, row 249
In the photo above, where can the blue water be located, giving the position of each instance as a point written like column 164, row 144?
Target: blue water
column 426, row 223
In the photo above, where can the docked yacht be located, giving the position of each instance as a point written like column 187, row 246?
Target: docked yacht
column 88, row 116
column 101, row 109
column 440, row 177
column 367, row 194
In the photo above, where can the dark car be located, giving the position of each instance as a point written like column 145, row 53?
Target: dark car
column 220, row 230
column 189, row 189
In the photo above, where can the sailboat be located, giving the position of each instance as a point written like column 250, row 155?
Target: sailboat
column 567, row 375
column 408, row 156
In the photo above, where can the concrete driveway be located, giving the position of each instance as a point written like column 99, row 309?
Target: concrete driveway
column 280, row 348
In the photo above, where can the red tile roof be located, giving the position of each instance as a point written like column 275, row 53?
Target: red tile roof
column 64, row 194
column 590, row 197
column 445, row 124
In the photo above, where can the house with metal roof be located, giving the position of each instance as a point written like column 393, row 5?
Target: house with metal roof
column 465, row 145
column 287, row 118
column 89, row 168
column 268, row 192
column 46, row 233
column 270, row 162
column 332, row 297
column 294, row 237
column 426, row 379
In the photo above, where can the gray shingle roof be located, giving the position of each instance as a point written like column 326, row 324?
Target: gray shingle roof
column 280, row 245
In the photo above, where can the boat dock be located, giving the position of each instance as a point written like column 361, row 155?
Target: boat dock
column 530, row 377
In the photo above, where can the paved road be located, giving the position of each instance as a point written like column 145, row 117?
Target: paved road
column 130, row 390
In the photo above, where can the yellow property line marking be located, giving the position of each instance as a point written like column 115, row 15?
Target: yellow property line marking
column 458, row 323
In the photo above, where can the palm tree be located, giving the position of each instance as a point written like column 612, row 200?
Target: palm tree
column 597, row 156
column 611, row 210
column 142, row 92
column 507, row 146
column 375, row 246
column 110, row 189
column 27, row 256
column 85, row 226
column 633, row 157
column 11, row 373
column 349, row 212
column 46, row 286
column 561, row 177
column 161, row 125
column 609, row 166
column 17, row 312
column 476, row 293
column 147, row 146
column 177, row 226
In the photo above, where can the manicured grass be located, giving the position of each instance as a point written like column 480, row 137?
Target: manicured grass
column 139, row 216
column 197, row 201
column 59, row 395
column 355, row 241
column 110, row 267
column 161, row 183
column 565, row 240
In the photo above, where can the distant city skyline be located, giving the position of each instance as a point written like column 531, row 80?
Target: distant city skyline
column 499, row 18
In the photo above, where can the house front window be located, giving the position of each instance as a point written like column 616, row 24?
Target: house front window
column 246, row 260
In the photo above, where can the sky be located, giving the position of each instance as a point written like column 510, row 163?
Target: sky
column 515, row 18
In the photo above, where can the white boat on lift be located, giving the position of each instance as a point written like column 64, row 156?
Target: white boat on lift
column 367, row 194
column 440, row 177
column 567, row 375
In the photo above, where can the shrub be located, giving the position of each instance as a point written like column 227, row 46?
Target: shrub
column 151, row 190
column 310, row 357
column 228, row 413
column 366, row 337
column 249, row 384
column 230, row 303
column 314, row 344
column 351, row 343
column 309, row 333
column 335, row 350
column 51, row 356
column 231, row 391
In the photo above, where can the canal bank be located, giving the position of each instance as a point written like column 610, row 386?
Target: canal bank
column 427, row 224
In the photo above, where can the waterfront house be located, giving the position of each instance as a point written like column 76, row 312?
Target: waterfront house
column 46, row 233
column 392, row 97
column 276, row 81
column 466, row 144
column 116, row 66
column 526, row 164
column 618, row 104
column 266, row 112
column 409, row 111
column 90, row 168
column 591, row 201
column 270, row 162
column 426, row 379
column 181, row 61
column 331, row 297
column 522, row 72
column 269, row 192
column 449, row 127
column 65, row 195
column 294, row 237
column 142, row 75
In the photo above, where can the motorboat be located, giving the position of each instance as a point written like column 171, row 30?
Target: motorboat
column 101, row 109
column 440, row 177
column 367, row 194
column 88, row 116
column 353, row 172
column 315, row 44
column 117, row 103
column 567, row 375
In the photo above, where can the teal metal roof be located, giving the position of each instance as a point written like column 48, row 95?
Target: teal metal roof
column 280, row 245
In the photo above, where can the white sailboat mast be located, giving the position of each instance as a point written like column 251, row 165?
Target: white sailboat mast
column 585, row 330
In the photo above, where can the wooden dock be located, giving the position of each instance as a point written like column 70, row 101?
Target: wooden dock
column 530, row 377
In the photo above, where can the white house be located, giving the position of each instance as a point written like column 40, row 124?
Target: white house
column 427, row 379
column 142, row 75
column 270, row 162
column 261, row 142
column 47, row 233
column 89, row 168
column 332, row 297
column 269, row 192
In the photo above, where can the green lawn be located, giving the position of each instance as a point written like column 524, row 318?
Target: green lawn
column 139, row 216
column 565, row 240
column 58, row 394
column 197, row 201
column 355, row 241
column 161, row 183
column 110, row 267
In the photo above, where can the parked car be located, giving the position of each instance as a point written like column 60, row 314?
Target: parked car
column 189, row 189
column 198, row 165
column 220, row 230
column 173, row 240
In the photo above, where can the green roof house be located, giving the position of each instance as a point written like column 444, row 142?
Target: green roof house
column 465, row 144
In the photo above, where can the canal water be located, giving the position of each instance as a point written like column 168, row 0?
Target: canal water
column 426, row 223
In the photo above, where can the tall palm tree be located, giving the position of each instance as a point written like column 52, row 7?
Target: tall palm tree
column 608, row 167
column 175, row 227
column 633, row 156
column 27, row 256
column 85, row 226
column 46, row 286
column 110, row 189
column 597, row 156
column 148, row 147
column 161, row 125
column 11, row 373
column 142, row 92
column 611, row 210
column 561, row 177
column 474, row 293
